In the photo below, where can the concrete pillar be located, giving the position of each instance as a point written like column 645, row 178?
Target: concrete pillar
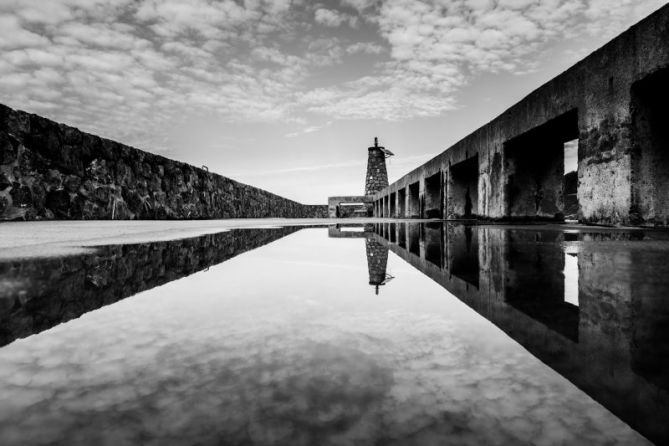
column 407, row 214
column 421, row 197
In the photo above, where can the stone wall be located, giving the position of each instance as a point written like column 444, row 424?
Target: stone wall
column 377, row 174
column 52, row 171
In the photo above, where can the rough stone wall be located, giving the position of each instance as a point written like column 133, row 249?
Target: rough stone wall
column 38, row 294
column 377, row 175
column 52, row 171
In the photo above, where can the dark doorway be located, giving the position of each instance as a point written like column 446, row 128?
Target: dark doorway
column 463, row 189
column 401, row 203
column 413, row 210
column 433, row 196
column 536, row 166
column 650, row 159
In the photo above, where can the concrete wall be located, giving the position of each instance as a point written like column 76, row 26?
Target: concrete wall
column 617, row 151
column 52, row 171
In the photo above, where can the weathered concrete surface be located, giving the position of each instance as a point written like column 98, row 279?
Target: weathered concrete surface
column 52, row 171
column 614, row 102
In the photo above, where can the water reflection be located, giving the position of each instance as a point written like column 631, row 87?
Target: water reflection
column 288, row 344
column 37, row 294
column 591, row 304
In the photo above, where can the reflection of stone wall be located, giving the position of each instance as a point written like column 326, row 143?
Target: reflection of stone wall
column 38, row 294
column 52, row 171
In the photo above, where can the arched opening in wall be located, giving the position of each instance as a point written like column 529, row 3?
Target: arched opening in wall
column 433, row 197
column 650, row 159
column 393, row 205
column 537, row 163
column 385, row 206
column 401, row 203
column 463, row 189
column 413, row 208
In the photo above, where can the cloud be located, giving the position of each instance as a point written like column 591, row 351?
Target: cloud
column 329, row 17
column 365, row 47
column 130, row 69
column 307, row 130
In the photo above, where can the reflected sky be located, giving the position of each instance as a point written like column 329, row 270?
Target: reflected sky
column 290, row 343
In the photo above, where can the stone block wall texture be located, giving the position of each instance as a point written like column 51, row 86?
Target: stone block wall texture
column 377, row 174
column 52, row 171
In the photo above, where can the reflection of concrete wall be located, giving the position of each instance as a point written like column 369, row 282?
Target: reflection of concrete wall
column 535, row 280
column 463, row 252
column 616, row 344
column 39, row 294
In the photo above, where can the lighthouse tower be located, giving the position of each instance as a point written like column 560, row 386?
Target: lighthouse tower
column 377, row 174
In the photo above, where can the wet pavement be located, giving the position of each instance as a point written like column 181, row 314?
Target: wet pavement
column 380, row 333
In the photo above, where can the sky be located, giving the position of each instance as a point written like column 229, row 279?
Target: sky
column 287, row 95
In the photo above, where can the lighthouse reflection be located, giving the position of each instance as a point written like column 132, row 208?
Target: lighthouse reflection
column 589, row 303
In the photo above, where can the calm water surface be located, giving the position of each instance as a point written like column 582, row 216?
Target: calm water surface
column 378, row 334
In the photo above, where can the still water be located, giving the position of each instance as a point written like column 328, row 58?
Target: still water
column 399, row 333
